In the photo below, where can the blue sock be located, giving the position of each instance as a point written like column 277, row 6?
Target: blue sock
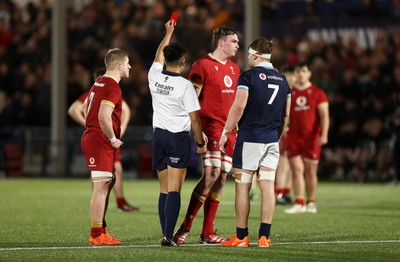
column 265, row 230
column 242, row 232
column 161, row 206
column 172, row 207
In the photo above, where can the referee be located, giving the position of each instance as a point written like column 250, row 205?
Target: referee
column 175, row 106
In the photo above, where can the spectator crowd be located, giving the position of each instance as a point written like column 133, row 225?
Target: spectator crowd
column 363, row 84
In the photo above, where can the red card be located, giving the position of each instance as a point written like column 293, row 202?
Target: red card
column 174, row 17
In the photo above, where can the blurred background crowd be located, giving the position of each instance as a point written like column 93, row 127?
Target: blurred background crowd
column 358, row 68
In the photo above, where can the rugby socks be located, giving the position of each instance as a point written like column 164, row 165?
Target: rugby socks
column 265, row 230
column 282, row 191
column 121, row 201
column 299, row 201
column 172, row 207
column 285, row 191
column 210, row 210
column 196, row 201
column 96, row 228
column 161, row 207
column 241, row 233
column 310, row 201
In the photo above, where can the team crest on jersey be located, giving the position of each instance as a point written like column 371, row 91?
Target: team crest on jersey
column 215, row 143
column 216, row 68
column 166, row 78
column 233, row 72
column 262, row 76
column 228, row 81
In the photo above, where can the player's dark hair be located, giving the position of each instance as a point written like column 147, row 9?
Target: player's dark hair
column 302, row 64
column 262, row 45
column 173, row 53
column 221, row 32
column 98, row 72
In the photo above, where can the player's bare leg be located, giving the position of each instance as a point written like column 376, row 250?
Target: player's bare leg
column 122, row 204
column 207, row 180
column 253, row 190
column 283, row 181
column 297, row 166
column 311, row 184
column 242, row 204
column 98, row 207
column 267, row 211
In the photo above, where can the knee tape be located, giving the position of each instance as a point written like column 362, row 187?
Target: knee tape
column 212, row 159
column 226, row 163
column 243, row 178
column 108, row 176
column 266, row 175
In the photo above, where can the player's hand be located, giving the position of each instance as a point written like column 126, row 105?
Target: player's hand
column 117, row 144
column 323, row 140
column 169, row 26
column 205, row 138
column 222, row 142
column 202, row 150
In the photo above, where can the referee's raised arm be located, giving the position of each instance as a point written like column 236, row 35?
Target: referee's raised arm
column 169, row 26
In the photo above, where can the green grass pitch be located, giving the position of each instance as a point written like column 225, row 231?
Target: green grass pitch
column 48, row 220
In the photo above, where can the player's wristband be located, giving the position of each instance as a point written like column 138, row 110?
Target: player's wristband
column 112, row 140
column 203, row 143
column 225, row 132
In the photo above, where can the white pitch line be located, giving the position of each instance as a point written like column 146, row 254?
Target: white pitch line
column 200, row 245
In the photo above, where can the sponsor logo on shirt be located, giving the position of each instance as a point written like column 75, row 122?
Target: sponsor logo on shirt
column 98, row 84
column 228, row 83
column 92, row 162
column 262, row 76
column 163, row 89
column 301, row 104
column 275, row 78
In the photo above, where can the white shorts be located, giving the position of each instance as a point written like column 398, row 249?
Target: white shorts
column 251, row 156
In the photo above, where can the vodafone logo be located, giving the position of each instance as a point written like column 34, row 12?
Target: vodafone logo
column 91, row 160
column 228, row 81
column 301, row 101
column 301, row 104
column 262, row 76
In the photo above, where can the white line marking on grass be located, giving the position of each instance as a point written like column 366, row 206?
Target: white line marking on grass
column 200, row 245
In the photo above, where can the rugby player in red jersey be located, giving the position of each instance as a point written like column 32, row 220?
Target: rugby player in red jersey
column 215, row 79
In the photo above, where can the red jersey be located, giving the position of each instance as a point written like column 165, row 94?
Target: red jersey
column 218, row 83
column 82, row 97
column 304, row 117
column 104, row 91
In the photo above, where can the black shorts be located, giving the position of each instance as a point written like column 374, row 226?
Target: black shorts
column 170, row 149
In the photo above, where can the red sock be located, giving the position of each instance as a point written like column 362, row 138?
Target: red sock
column 210, row 211
column 310, row 201
column 299, row 201
column 285, row 191
column 278, row 191
column 196, row 201
column 96, row 231
column 121, row 201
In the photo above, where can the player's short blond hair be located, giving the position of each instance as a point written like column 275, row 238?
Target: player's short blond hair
column 113, row 57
